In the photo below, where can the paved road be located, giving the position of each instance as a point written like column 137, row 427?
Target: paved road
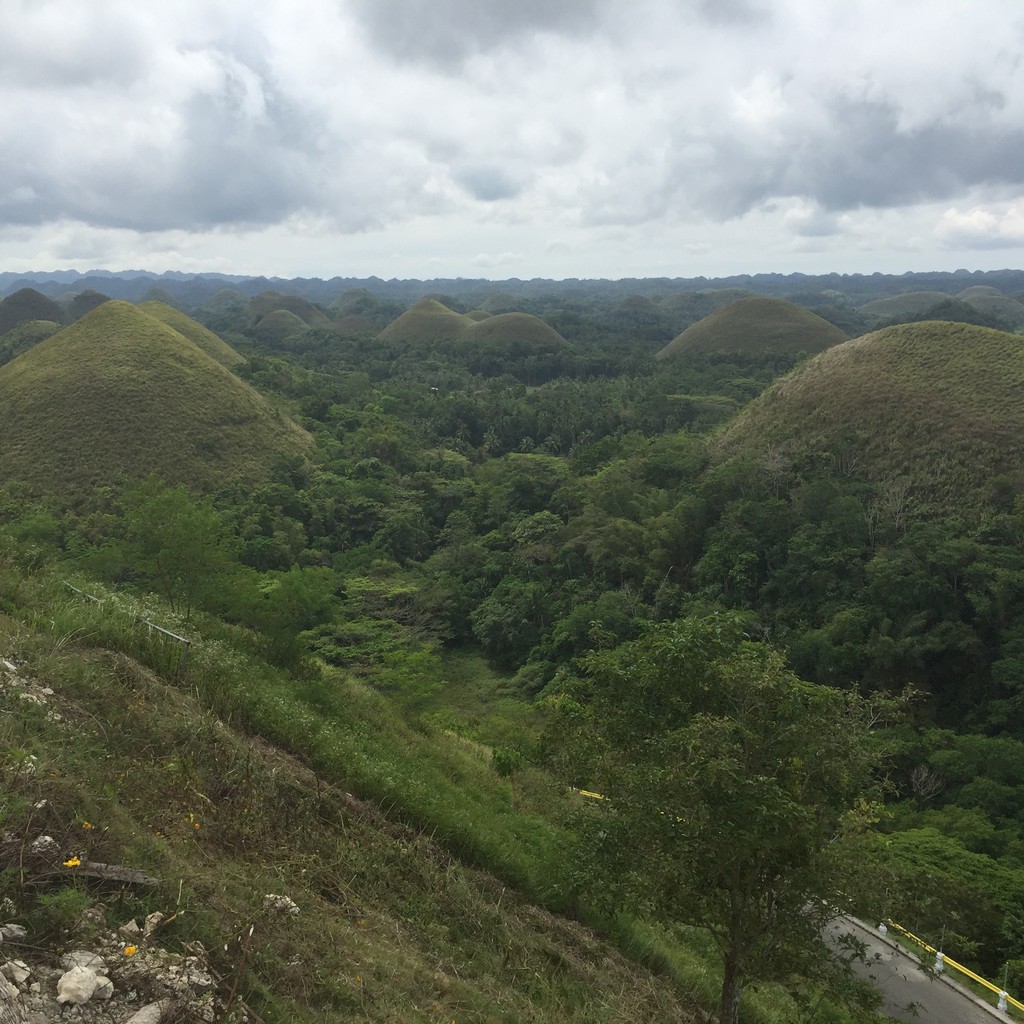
column 909, row 994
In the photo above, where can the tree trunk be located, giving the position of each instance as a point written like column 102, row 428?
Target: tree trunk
column 729, row 1006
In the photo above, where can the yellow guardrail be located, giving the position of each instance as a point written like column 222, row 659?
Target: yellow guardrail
column 945, row 961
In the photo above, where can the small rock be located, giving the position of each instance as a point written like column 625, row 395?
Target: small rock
column 77, row 986
column 152, row 923
column 7, row 990
column 83, row 958
column 15, row 971
column 104, row 988
column 131, row 930
column 282, row 904
column 43, row 845
column 151, row 1013
column 14, row 933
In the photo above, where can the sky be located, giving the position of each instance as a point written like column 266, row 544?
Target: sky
column 499, row 139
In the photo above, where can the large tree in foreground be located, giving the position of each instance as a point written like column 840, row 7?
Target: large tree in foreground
column 734, row 791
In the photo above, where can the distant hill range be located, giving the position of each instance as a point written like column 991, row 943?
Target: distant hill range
column 690, row 296
column 756, row 325
column 934, row 408
column 123, row 393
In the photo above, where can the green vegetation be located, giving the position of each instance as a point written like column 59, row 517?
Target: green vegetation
column 757, row 325
column 732, row 791
column 397, row 597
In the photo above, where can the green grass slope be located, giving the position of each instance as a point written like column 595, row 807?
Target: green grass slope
column 204, row 338
column 427, row 322
column 513, row 333
column 85, row 302
column 269, row 302
column 756, row 325
column 908, row 304
column 121, row 393
column 27, row 304
column 992, row 302
column 277, row 327
column 938, row 405
column 185, row 784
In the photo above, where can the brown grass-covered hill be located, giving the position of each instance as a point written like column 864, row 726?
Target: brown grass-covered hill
column 27, row 304
column 936, row 406
column 202, row 336
column 757, row 325
column 518, row 334
column 119, row 393
column 427, row 322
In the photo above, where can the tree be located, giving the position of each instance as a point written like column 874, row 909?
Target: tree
column 178, row 545
column 734, row 789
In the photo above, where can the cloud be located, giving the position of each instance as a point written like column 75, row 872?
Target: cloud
column 681, row 120
column 446, row 33
column 983, row 227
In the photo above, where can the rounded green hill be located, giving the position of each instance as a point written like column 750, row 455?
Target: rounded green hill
column 938, row 405
column 427, row 322
column 27, row 304
column 756, row 325
column 906, row 305
column 119, row 393
column 202, row 336
column 513, row 333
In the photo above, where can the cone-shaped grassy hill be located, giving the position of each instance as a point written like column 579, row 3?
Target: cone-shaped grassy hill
column 85, row 302
column 432, row 322
column 757, row 325
column 993, row 302
column 907, row 304
column 939, row 405
column 120, row 393
column 427, row 322
column 269, row 302
column 27, row 304
column 195, row 332
column 514, row 333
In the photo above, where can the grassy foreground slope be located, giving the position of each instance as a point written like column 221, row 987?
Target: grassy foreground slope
column 756, row 325
column 131, row 769
column 939, row 405
column 121, row 393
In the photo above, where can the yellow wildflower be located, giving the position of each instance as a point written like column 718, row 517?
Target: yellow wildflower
column 72, row 862
column 195, row 825
column 87, row 824
column 130, row 950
